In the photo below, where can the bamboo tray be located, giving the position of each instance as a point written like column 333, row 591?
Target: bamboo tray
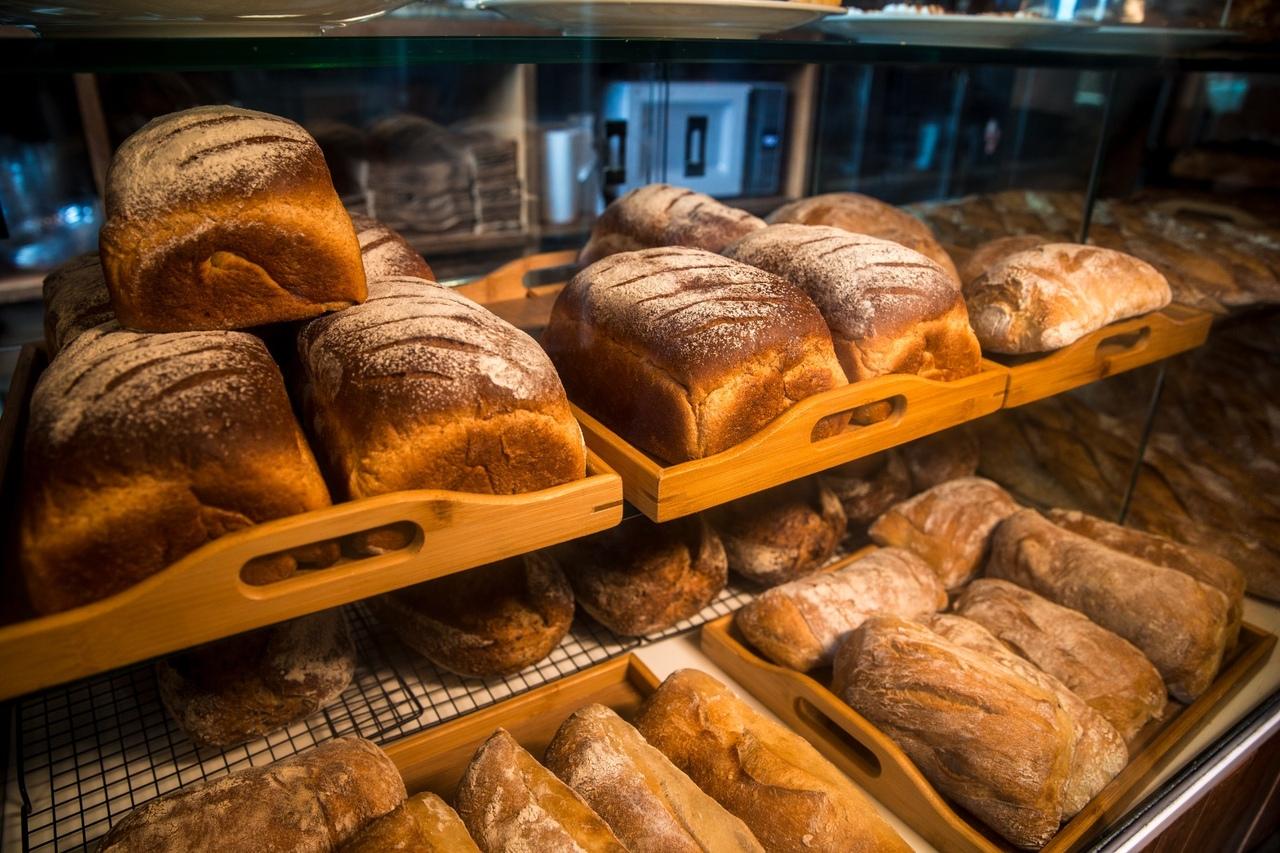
column 1113, row 349
column 202, row 596
column 873, row 761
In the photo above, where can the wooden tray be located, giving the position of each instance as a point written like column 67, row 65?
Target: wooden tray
column 202, row 597
column 1113, row 349
column 873, row 761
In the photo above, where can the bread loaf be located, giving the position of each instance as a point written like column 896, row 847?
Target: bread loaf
column 141, row 448
column 1047, row 297
column 424, row 823
column 225, row 218
column 421, row 388
column 988, row 739
column 510, row 802
column 1205, row 567
column 662, row 215
column 684, row 353
column 487, row 621
column 992, row 252
column 948, row 526
column 781, row 534
column 648, row 803
column 75, row 300
column 1105, row 670
column 242, row 687
column 940, row 457
column 316, row 800
column 800, row 624
column 385, row 254
column 640, row 577
column 863, row 214
column 1178, row 622
column 868, row 486
column 788, row 795
column 1098, row 752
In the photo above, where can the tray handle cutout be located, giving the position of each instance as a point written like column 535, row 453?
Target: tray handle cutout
column 840, row 738
column 1130, row 342
column 395, row 538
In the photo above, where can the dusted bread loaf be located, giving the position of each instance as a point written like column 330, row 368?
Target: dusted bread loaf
column 781, row 534
column 315, row 800
column 940, row 457
column 868, row 486
column 510, row 802
column 988, row 739
column 75, row 300
column 1049, row 296
column 800, row 624
column 141, row 448
column 225, row 218
column 992, row 252
column 791, row 798
column 421, row 388
column 890, row 310
column 385, row 254
column 863, row 214
column 684, row 353
column 231, row 690
column 424, row 823
column 948, row 526
column 648, row 803
column 1103, row 669
column 662, row 215
column 1178, row 622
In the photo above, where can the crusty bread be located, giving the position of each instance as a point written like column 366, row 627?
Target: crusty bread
column 800, row 624
column 487, row 621
column 943, row 456
column 1177, row 621
column 640, row 577
column 509, row 802
column 75, row 300
column 992, row 252
column 863, row 214
column 948, row 526
column 1098, row 752
column 648, row 803
column 421, row 388
column 224, row 218
column 684, row 353
column 662, row 215
column 242, row 687
column 424, row 823
column 782, row 533
column 315, row 800
column 868, row 486
column 1049, row 296
column 788, row 795
column 1219, row 573
column 988, row 739
column 385, row 254
column 1100, row 667
column 890, row 309
column 141, row 448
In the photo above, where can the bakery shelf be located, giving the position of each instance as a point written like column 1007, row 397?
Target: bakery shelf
column 202, row 597
column 805, row 704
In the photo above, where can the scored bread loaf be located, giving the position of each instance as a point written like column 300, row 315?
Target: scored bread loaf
column 863, row 214
column 75, row 300
column 890, row 309
column 421, row 388
column 487, row 621
column 143, row 447
column 1098, row 752
column 800, row 624
column 1105, row 670
column 788, row 795
column 224, row 218
column 315, row 800
column 1177, row 621
column 782, row 533
column 641, row 577
column 948, row 526
column 510, row 802
column 943, row 456
column 385, row 254
column 684, row 353
column 424, row 823
column 228, row 691
column 992, row 252
column 1217, row 572
column 662, row 215
column 1049, row 296
column 868, row 486
column 649, row 804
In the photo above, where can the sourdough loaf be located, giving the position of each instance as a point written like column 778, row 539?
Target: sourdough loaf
column 782, row 533
column 75, row 300
column 385, row 254
column 943, row 456
column 868, row 486
column 424, row 823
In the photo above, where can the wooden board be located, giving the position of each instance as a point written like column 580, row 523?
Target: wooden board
column 873, row 760
column 1113, row 349
column 202, row 597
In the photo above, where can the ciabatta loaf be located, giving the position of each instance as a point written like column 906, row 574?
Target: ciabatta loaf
column 424, row 823
column 75, row 300
column 992, row 252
